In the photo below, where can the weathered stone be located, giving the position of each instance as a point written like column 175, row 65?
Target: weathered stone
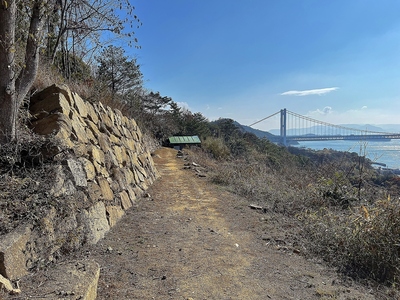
column 51, row 104
column 78, row 127
column 127, row 133
column 144, row 186
column 116, row 132
column 115, row 140
column 128, row 175
column 53, row 89
column 80, row 105
column 118, row 117
column 118, row 154
column 96, row 154
column 94, row 191
column 135, row 175
column 62, row 184
column 112, row 158
column 138, row 191
column 12, row 253
column 106, row 192
column 101, row 170
column 92, row 139
column 88, row 168
column 106, row 120
column 71, row 280
column 64, row 137
column 77, row 172
column 80, row 150
column 131, row 194
column 52, row 123
column 141, row 173
column 126, row 202
column 114, row 213
column 92, row 114
column 110, row 114
column 95, row 222
column 93, row 127
column 114, row 185
column 118, row 176
column 143, row 159
column 100, row 108
column 104, row 142
column 131, row 124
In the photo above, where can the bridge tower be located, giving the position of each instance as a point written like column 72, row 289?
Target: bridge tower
column 283, row 126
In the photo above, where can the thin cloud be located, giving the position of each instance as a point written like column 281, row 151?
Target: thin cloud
column 325, row 111
column 310, row 92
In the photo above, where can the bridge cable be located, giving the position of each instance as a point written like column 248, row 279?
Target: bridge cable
column 264, row 119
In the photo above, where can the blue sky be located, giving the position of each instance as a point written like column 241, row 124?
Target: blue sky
column 337, row 61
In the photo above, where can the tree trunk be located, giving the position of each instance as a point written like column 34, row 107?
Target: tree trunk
column 8, row 96
column 13, row 90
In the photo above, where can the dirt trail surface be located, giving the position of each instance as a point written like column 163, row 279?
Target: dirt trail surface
column 193, row 240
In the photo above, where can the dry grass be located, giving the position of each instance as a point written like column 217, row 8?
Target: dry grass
column 360, row 236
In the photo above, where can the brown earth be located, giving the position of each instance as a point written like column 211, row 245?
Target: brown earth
column 193, row 240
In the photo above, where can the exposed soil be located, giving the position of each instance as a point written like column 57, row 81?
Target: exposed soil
column 193, row 240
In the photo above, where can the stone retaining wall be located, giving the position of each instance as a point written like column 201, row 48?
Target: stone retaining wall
column 103, row 168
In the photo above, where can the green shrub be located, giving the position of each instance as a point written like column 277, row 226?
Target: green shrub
column 216, row 147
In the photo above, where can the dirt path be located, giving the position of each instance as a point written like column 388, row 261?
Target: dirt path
column 192, row 240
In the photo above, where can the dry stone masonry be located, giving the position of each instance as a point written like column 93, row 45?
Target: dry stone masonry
column 103, row 163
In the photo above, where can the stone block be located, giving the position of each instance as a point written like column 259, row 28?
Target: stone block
column 106, row 121
column 78, row 173
column 128, row 175
column 12, row 253
column 119, row 177
column 115, row 140
column 104, row 142
column 80, row 105
column 118, row 154
column 97, row 155
column 106, row 192
column 114, row 213
column 101, row 170
column 126, row 133
column 95, row 222
column 62, row 184
column 126, row 202
column 92, row 114
column 78, row 128
column 92, row 139
column 53, row 89
column 51, row 104
column 94, row 191
column 88, row 168
column 93, row 127
column 131, row 194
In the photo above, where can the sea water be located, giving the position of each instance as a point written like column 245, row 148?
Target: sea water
column 386, row 152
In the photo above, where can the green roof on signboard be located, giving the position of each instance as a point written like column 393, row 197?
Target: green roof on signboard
column 184, row 140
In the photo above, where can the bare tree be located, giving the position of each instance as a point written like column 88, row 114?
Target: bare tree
column 17, row 79
column 78, row 28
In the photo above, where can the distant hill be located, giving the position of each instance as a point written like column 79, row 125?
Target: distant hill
column 259, row 133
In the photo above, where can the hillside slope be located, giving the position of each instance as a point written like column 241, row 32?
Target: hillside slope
column 193, row 240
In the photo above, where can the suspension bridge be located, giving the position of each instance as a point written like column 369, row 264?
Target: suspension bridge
column 295, row 127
